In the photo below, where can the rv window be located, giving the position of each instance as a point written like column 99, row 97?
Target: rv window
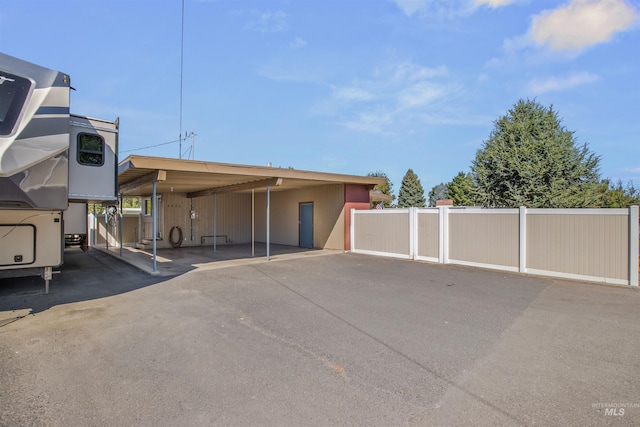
column 13, row 93
column 90, row 149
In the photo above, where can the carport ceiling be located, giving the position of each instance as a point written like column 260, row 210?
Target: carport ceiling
column 197, row 178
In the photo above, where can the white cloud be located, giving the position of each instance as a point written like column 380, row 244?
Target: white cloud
column 410, row 7
column 268, row 22
column 493, row 3
column 446, row 9
column 483, row 77
column 403, row 92
column 419, row 94
column 371, row 122
column 298, row 43
column 539, row 86
column 352, row 93
column 408, row 71
column 581, row 23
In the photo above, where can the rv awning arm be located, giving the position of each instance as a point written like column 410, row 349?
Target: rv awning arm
column 270, row 182
column 149, row 178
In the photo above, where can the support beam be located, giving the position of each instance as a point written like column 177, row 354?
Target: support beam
column 154, row 210
column 268, row 221
column 237, row 187
column 121, row 223
column 215, row 220
column 144, row 180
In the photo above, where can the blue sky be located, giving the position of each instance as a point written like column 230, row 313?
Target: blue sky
column 345, row 86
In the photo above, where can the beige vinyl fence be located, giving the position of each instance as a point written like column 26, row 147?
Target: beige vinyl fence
column 585, row 244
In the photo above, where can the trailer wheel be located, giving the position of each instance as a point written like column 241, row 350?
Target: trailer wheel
column 175, row 243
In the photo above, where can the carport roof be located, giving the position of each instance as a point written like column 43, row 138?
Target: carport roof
column 136, row 175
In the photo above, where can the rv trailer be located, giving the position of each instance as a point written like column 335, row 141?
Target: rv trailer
column 49, row 160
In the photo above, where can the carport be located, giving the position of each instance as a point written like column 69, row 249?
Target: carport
column 196, row 203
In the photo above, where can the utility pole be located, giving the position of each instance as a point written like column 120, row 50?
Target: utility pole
column 193, row 145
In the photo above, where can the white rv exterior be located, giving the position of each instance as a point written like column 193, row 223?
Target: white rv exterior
column 48, row 159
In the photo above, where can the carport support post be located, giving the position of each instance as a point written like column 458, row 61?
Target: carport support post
column 121, row 223
column 106, row 229
column 154, row 212
column 268, row 218
column 94, row 241
column 215, row 217
column 253, row 225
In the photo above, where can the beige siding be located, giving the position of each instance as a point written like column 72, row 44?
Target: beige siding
column 130, row 230
column 233, row 218
column 485, row 238
column 589, row 245
column 427, row 235
column 328, row 216
column 383, row 231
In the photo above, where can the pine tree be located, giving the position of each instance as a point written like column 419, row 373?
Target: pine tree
column 530, row 159
column 462, row 190
column 411, row 191
column 439, row 192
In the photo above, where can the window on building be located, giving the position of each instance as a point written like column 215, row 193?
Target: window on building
column 148, row 207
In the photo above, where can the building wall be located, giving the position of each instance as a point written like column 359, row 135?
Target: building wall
column 233, row 217
column 97, row 232
column 328, row 216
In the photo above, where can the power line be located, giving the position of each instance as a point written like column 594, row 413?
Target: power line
column 181, row 73
column 152, row 146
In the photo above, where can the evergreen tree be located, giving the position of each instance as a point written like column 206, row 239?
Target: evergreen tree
column 530, row 159
column 385, row 188
column 619, row 196
column 462, row 190
column 411, row 191
column 438, row 192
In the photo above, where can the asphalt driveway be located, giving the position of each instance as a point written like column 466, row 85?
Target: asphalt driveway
column 326, row 340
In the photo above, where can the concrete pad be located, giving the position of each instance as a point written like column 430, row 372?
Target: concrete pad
column 340, row 339
column 175, row 261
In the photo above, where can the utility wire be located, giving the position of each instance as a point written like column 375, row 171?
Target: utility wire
column 181, row 73
column 151, row 146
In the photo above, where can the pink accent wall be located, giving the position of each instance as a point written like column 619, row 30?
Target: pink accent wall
column 356, row 196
